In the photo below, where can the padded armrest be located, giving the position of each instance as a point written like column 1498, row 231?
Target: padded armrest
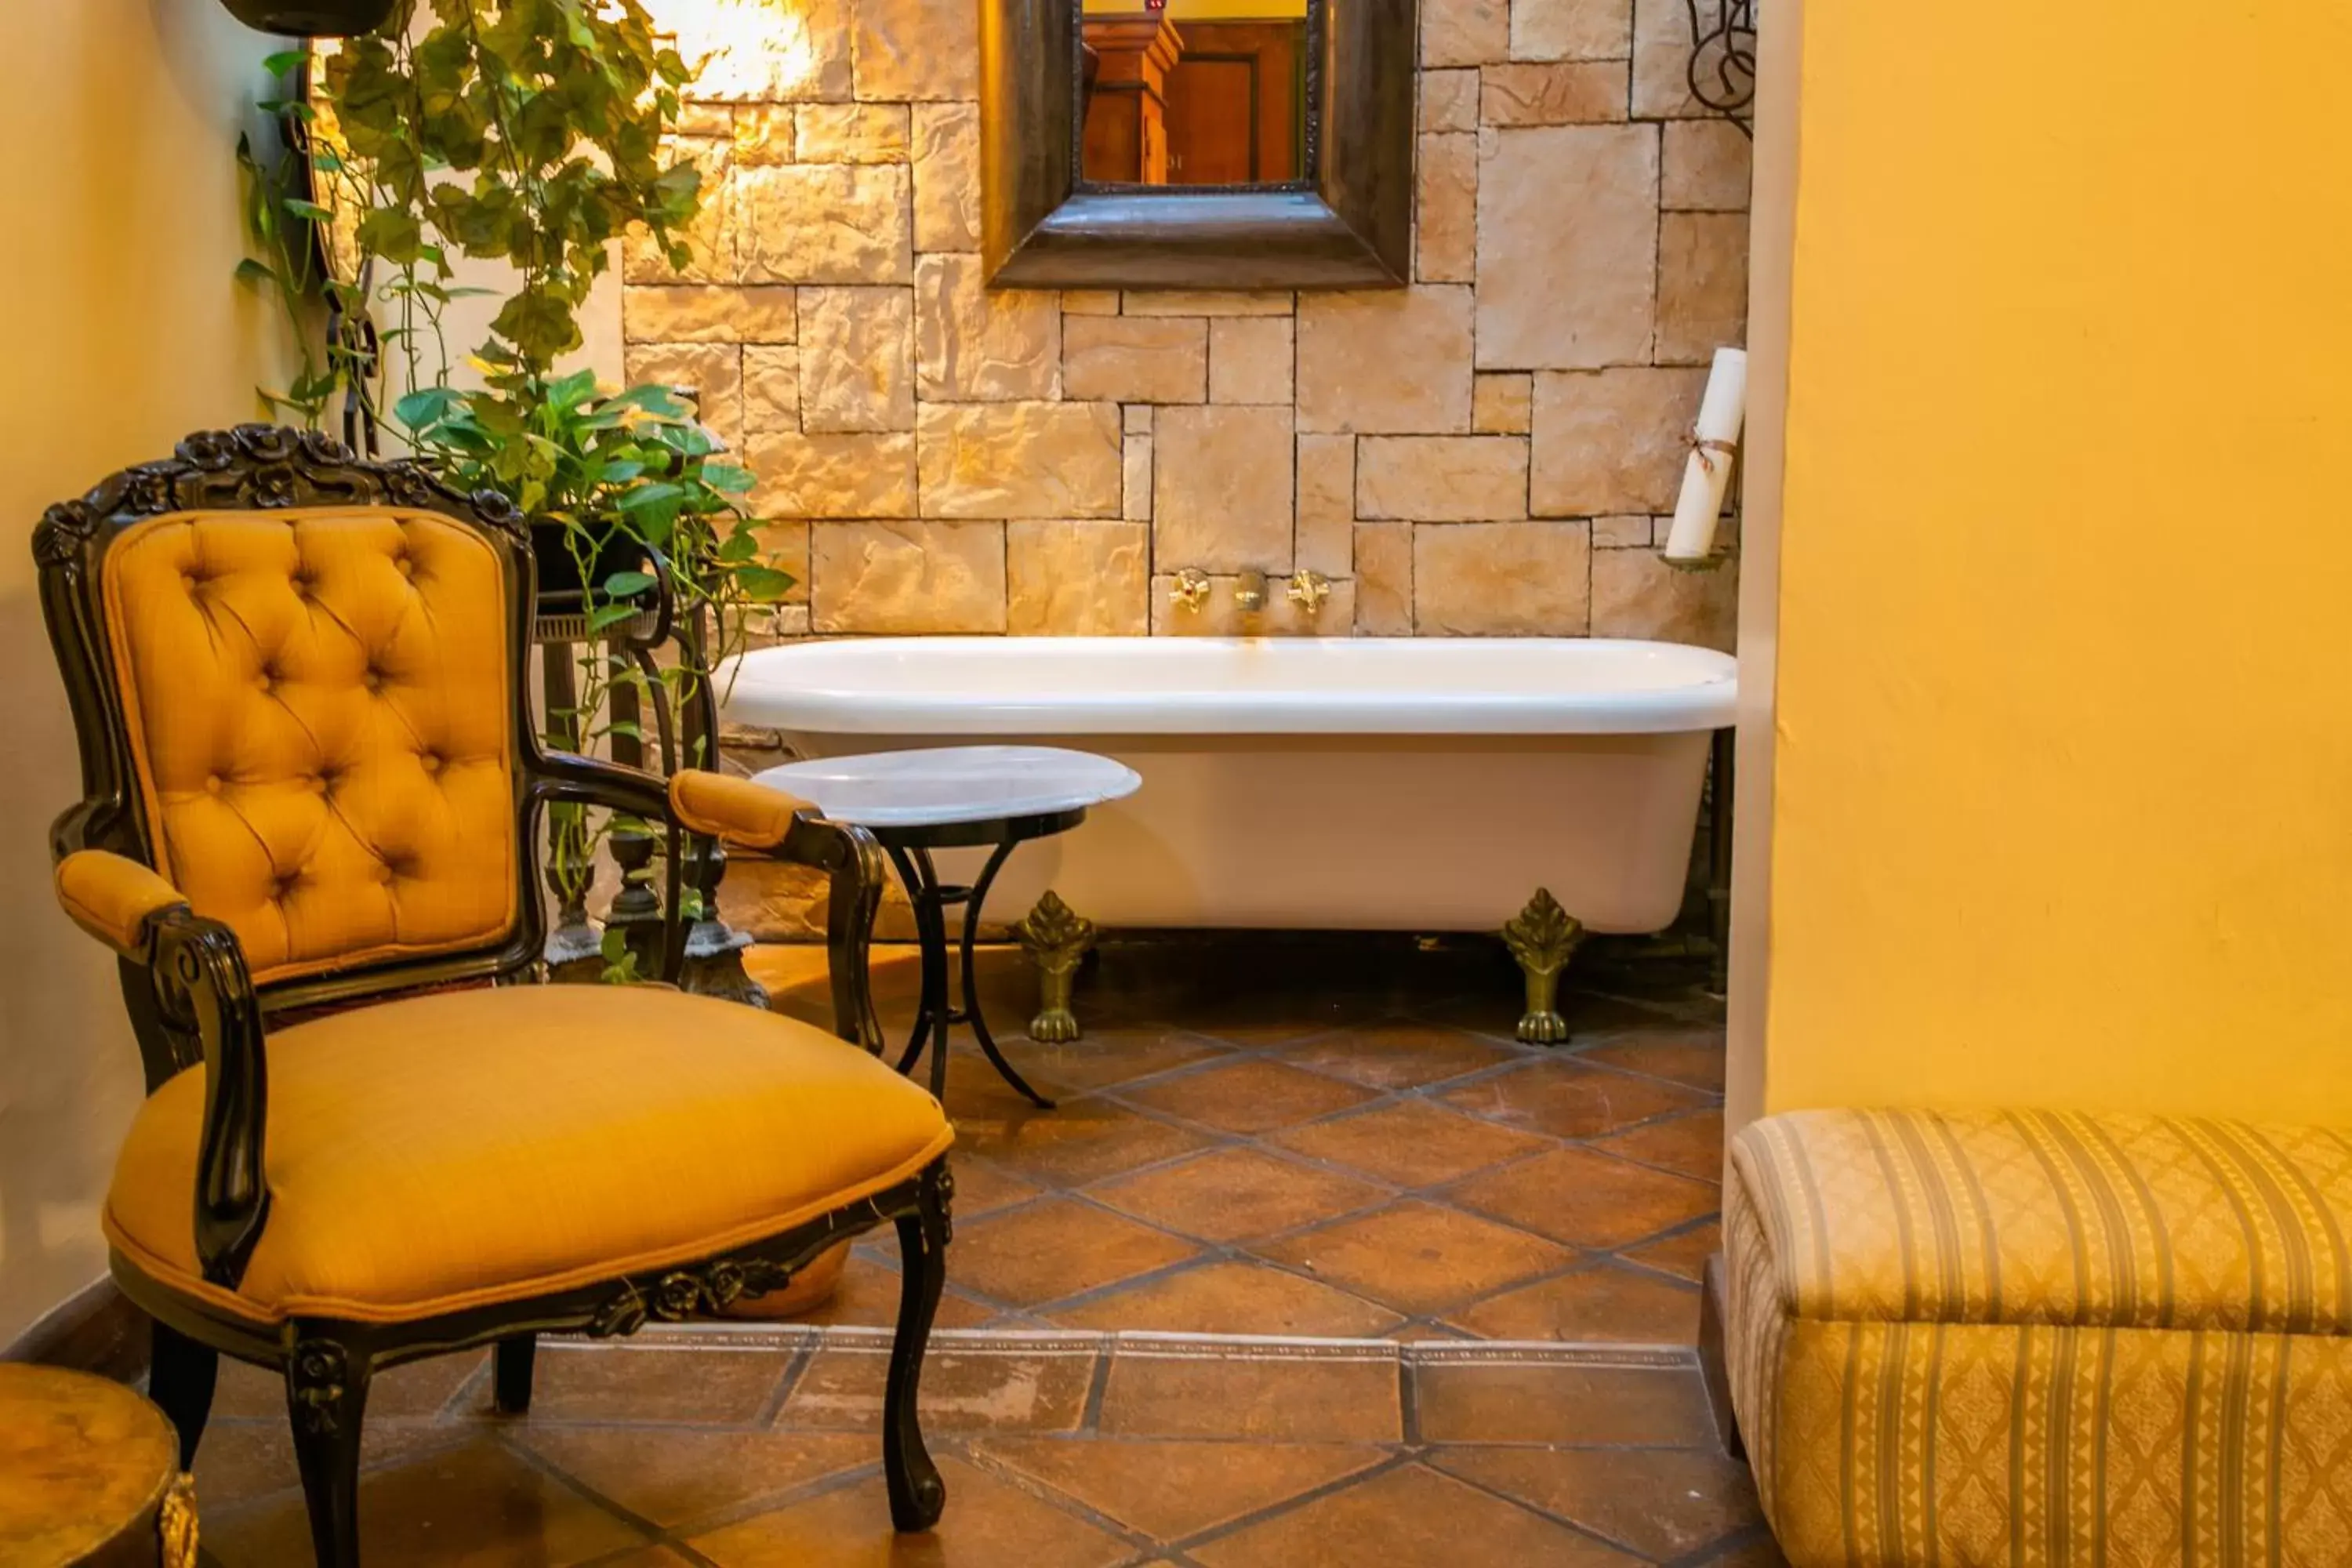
column 736, row 810
column 113, row 896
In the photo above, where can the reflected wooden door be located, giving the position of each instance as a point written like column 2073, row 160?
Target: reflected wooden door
column 1212, row 120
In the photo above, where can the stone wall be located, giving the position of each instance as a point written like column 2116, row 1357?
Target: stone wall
column 1487, row 452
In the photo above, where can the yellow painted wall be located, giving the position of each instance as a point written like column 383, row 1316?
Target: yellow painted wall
column 122, row 331
column 2064, row 701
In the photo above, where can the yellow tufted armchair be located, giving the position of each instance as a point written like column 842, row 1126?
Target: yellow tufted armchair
column 312, row 777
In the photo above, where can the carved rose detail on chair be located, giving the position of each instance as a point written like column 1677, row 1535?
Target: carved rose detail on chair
column 316, row 1376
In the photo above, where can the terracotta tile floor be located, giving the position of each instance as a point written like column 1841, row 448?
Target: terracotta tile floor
column 1482, row 1256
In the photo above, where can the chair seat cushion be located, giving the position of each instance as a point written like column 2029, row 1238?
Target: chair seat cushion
column 450, row 1151
column 2018, row 1217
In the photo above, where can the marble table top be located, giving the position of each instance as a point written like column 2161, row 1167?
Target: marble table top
column 953, row 783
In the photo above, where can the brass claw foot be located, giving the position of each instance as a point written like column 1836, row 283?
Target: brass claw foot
column 1543, row 937
column 1055, row 938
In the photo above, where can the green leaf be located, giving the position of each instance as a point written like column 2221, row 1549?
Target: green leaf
column 650, row 495
column 310, row 210
column 628, row 585
column 763, row 584
column 609, row 616
column 251, row 271
column 283, row 61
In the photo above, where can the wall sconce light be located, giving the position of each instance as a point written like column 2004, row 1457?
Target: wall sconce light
column 1722, row 56
column 311, row 18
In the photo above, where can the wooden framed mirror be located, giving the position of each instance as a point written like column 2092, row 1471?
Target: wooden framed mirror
column 1199, row 144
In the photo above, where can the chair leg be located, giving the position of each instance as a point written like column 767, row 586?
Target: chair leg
column 511, row 1364
column 326, row 1396
column 917, row 1493
column 180, row 1378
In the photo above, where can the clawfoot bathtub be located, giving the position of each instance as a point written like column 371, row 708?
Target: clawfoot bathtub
column 1343, row 784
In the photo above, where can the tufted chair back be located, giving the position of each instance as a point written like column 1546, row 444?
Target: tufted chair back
column 296, row 679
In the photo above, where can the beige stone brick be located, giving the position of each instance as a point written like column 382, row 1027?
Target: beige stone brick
column 800, row 55
column 1208, row 302
column 1078, row 578
column 946, row 155
column 1090, row 301
column 1572, row 29
column 851, row 133
column 1449, row 100
column 711, row 238
column 1567, row 238
column 1702, row 286
column 1019, row 459
column 1136, row 419
column 858, row 359
column 696, row 119
column 1502, row 579
column 712, row 373
column 1611, row 441
column 1326, row 504
column 763, row 134
column 832, row 476
column 1569, row 92
column 1222, row 618
column 1662, row 50
column 1384, row 579
column 916, row 49
column 1129, row 359
column 1637, row 595
column 974, row 344
column 1464, row 32
column 1221, row 488
column 1249, row 359
column 1445, row 234
column 1707, row 166
column 1442, row 479
column 1503, row 403
column 825, row 222
column 1385, row 360
column 785, row 547
column 906, row 577
column 772, row 388
column 1135, row 503
column 1620, row 533
column 698, row 314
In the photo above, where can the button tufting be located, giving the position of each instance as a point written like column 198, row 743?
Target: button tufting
column 212, row 783
column 373, row 681
column 407, row 567
column 282, row 887
column 431, row 759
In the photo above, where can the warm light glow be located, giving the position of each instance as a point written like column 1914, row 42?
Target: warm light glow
column 739, row 50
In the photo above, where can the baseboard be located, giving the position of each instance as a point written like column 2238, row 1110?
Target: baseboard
column 1713, row 1368
column 94, row 1330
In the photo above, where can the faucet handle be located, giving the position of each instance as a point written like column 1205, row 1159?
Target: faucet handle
column 1191, row 589
column 1309, row 590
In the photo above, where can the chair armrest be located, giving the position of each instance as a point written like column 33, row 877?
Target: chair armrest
column 718, row 805
column 113, row 897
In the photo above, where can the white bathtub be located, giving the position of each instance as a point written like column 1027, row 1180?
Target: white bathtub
column 1341, row 784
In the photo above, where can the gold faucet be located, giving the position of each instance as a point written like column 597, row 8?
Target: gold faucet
column 1249, row 591
column 1191, row 589
column 1309, row 590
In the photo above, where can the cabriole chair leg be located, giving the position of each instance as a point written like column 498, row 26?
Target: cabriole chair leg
column 510, row 1367
column 180, row 1378
column 326, row 1396
column 917, row 1493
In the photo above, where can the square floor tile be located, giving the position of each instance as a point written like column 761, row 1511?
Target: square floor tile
column 1603, row 1303
column 1583, row 1199
column 1409, row 1517
column 1548, row 1402
column 867, row 1296
column 1396, row 1053
column 1084, row 1141
column 989, row 1524
column 1412, row 1142
column 1418, row 1258
column 1233, row 1297
column 1567, row 1099
column 1055, row 1248
column 1168, row 1491
column 1236, row 1194
column 1691, row 1145
column 674, row 1478
column 242, row 1460
column 1250, row 1096
column 1691, row 1056
column 1269, row 1396
column 1684, row 1254
column 995, row 1387
column 1108, row 1054
column 574, row 1381
column 1662, row 1504
column 246, row 1392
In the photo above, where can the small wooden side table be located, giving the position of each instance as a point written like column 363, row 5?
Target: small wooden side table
column 89, row 1473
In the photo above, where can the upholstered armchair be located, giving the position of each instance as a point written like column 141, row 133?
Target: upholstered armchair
column 312, row 787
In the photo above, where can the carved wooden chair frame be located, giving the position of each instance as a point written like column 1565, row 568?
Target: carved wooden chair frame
column 192, row 1000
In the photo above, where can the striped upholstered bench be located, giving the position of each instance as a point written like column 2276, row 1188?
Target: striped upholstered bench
column 2030, row 1338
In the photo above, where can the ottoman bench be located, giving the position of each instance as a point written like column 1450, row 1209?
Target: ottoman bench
column 2031, row 1338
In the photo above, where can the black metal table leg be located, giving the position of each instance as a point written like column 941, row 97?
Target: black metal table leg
column 931, row 1012
column 972, row 1009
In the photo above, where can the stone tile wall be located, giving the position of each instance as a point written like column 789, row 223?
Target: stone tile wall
column 1489, row 451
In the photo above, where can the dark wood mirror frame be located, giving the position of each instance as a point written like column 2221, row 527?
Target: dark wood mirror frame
column 1348, row 224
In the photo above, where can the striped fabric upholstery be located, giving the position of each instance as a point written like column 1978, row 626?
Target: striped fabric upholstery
column 2026, row 1339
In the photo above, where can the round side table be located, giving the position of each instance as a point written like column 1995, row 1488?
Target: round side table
column 89, row 1473
column 956, row 797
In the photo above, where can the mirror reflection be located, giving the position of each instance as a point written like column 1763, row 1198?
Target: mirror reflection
column 1195, row 92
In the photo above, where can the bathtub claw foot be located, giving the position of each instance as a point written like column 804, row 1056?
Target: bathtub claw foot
column 1543, row 937
column 1058, row 939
